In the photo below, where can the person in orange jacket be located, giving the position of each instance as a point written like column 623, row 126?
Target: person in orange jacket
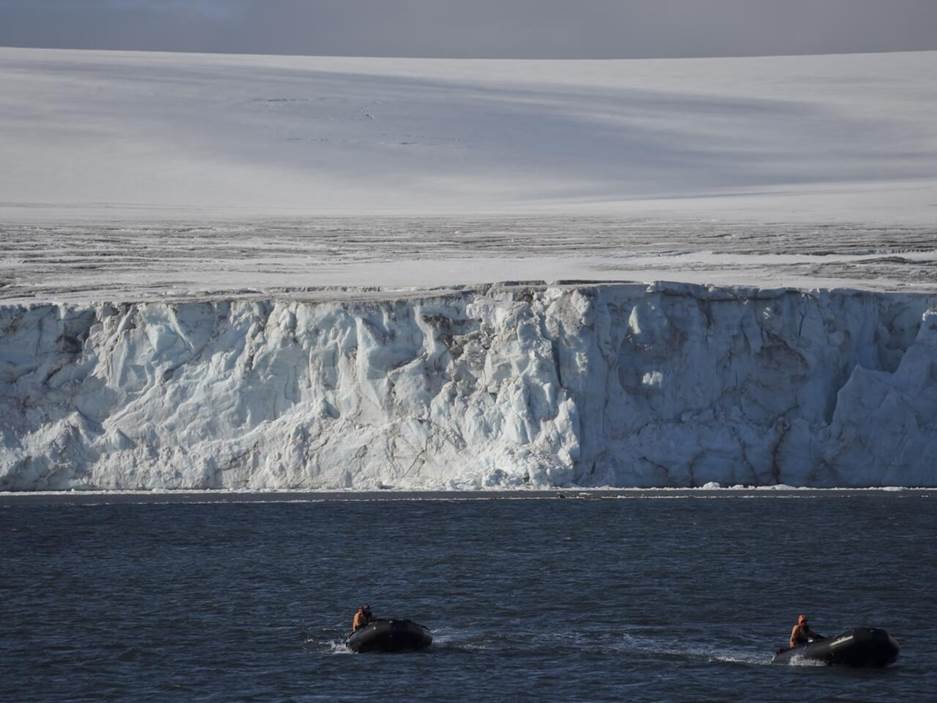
column 362, row 617
column 801, row 633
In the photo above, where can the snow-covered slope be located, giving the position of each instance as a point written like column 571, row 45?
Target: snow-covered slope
column 143, row 136
column 624, row 385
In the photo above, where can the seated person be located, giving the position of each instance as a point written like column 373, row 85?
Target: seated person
column 362, row 617
column 801, row 633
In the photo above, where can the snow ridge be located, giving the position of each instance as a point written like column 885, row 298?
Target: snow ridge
column 494, row 386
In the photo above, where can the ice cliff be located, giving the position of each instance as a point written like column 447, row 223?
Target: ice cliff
column 509, row 385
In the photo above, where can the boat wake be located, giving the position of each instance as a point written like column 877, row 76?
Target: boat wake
column 689, row 649
column 337, row 647
column 474, row 640
column 798, row 660
column 471, row 640
column 326, row 641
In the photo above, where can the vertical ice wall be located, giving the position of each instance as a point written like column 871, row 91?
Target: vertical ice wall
column 623, row 385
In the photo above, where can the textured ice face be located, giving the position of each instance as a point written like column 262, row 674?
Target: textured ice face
column 624, row 385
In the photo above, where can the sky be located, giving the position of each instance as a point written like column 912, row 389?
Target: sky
column 476, row 28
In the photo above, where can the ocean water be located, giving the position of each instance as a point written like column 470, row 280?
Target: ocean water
column 640, row 596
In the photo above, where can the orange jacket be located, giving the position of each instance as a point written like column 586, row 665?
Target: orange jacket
column 359, row 621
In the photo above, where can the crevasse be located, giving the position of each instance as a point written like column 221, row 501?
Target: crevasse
column 505, row 385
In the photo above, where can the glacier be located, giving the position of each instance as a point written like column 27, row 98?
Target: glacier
column 503, row 385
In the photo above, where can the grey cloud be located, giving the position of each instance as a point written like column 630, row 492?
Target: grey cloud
column 478, row 28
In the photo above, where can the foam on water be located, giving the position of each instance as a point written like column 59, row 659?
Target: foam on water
column 462, row 640
column 212, row 496
column 798, row 660
column 691, row 649
column 338, row 647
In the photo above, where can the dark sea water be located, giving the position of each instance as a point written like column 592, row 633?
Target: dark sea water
column 642, row 597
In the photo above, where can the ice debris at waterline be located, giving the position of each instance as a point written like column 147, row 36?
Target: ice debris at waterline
column 615, row 385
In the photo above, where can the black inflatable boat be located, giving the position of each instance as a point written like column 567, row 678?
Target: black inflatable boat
column 859, row 647
column 389, row 636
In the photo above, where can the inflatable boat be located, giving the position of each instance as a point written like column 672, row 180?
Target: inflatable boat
column 859, row 647
column 389, row 636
